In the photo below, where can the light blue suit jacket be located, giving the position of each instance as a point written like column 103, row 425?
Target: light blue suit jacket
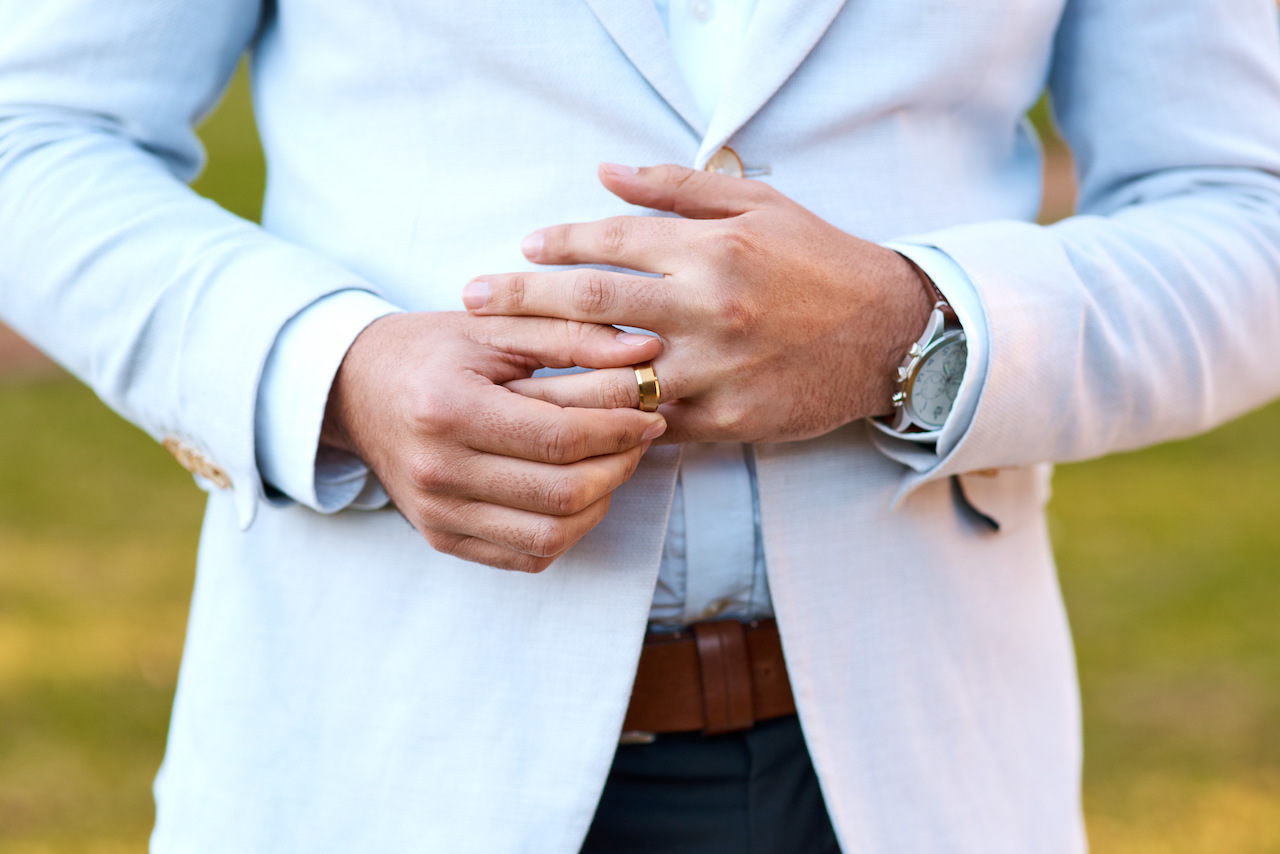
column 345, row 687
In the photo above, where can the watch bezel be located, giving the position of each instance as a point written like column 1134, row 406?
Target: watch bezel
column 947, row 338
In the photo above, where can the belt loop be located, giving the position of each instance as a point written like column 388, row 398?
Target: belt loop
column 726, row 676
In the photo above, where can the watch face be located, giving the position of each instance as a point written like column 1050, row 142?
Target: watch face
column 932, row 391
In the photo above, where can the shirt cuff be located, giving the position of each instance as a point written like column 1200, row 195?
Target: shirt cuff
column 291, row 401
column 954, row 284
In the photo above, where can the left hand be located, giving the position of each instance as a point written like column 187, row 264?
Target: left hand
column 777, row 326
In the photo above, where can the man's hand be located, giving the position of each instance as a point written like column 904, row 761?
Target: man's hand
column 482, row 472
column 777, row 325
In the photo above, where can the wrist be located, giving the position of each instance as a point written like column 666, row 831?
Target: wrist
column 342, row 408
column 333, row 430
column 911, row 297
column 927, row 379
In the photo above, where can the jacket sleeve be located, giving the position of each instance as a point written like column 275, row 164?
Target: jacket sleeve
column 1150, row 315
column 165, row 304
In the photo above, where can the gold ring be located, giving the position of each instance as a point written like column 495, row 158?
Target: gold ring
column 647, row 377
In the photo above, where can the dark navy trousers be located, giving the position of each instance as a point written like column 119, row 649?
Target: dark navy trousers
column 752, row 792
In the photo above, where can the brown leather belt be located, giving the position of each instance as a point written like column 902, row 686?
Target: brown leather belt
column 722, row 676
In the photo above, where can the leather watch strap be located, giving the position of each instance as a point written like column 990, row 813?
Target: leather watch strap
column 939, row 301
column 723, row 676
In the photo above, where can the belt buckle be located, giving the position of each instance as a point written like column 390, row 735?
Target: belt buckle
column 635, row 736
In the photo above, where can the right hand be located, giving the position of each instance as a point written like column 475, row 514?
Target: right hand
column 482, row 472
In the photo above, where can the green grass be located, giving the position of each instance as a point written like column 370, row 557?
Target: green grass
column 98, row 528
column 1168, row 558
column 1169, row 561
column 235, row 174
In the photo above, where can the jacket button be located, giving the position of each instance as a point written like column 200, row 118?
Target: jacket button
column 196, row 463
column 725, row 162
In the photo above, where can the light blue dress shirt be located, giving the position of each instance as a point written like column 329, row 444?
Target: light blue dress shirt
column 713, row 558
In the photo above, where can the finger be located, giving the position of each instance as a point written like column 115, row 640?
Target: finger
column 477, row 550
column 558, row 343
column 649, row 243
column 609, row 388
column 517, row 530
column 586, row 295
column 688, row 192
column 517, row 426
column 526, row 485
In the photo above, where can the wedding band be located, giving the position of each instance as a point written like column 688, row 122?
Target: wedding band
column 647, row 378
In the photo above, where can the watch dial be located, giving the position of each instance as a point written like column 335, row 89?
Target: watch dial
column 933, row 392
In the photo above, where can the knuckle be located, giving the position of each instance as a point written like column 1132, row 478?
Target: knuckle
column 428, row 473
column 730, row 419
column 431, row 416
column 546, row 538
column 592, row 293
column 683, row 179
column 577, row 334
column 515, row 295
column 615, row 236
column 567, row 495
column 733, row 245
column 625, row 436
column 560, row 444
column 618, row 393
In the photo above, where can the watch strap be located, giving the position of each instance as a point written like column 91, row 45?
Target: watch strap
column 939, row 301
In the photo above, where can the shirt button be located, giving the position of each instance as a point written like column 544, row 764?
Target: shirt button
column 702, row 10
column 714, row 608
column 725, row 162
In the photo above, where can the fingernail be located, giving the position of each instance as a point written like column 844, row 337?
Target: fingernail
column 532, row 245
column 618, row 169
column 644, row 448
column 634, row 339
column 475, row 294
column 654, row 430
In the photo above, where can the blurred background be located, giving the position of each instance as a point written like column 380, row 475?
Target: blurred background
column 1169, row 558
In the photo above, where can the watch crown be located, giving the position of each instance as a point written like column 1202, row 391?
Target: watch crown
column 899, row 398
column 915, row 351
column 902, row 375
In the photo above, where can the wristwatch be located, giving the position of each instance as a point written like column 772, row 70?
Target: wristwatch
column 930, row 375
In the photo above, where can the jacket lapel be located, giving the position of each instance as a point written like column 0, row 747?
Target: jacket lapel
column 638, row 32
column 781, row 34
